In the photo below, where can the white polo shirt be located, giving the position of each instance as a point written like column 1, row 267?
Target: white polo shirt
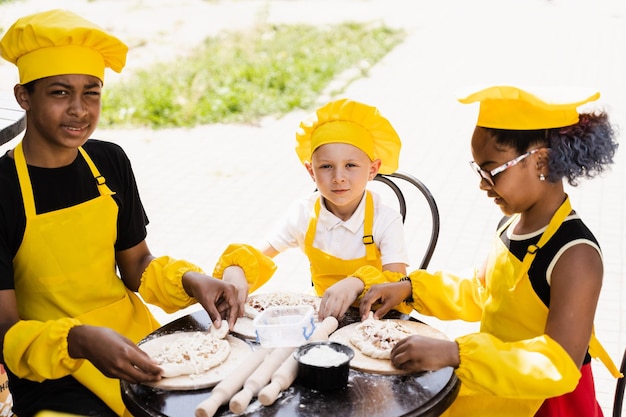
column 342, row 239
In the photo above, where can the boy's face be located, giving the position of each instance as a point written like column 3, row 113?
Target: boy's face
column 62, row 110
column 341, row 172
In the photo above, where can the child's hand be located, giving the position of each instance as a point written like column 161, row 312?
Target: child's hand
column 339, row 297
column 419, row 353
column 220, row 299
column 114, row 355
column 386, row 295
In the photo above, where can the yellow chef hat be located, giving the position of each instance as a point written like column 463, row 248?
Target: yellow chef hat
column 354, row 123
column 59, row 42
column 513, row 108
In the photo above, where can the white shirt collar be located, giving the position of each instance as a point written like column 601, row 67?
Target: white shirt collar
column 329, row 221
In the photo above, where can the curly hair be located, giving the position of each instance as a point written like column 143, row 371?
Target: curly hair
column 583, row 150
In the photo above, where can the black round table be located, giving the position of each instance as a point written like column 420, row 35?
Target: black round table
column 426, row 394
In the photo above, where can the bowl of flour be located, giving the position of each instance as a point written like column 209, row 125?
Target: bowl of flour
column 323, row 366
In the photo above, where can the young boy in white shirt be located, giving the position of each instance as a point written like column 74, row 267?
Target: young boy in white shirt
column 342, row 226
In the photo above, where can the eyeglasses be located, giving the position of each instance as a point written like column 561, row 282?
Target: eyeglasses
column 488, row 175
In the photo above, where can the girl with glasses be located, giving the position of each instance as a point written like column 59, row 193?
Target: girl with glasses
column 536, row 295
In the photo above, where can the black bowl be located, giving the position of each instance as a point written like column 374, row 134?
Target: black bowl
column 328, row 374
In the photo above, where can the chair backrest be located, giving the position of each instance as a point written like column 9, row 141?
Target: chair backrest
column 619, row 389
column 401, row 184
column 12, row 118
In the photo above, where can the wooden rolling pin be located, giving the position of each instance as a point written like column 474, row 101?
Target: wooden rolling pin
column 222, row 392
column 288, row 371
column 259, row 378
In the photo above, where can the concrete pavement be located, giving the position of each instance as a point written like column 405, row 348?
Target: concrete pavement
column 208, row 186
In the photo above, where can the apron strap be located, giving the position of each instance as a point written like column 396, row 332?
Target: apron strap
column 310, row 233
column 24, row 180
column 368, row 228
column 506, row 224
column 26, row 185
column 559, row 217
column 596, row 350
column 100, row 180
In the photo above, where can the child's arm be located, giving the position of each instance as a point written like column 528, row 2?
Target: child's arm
column 395, row 267
column 544, row 366
column 40, row 350
column 532, row 368
column 339, row 297
column 442, row 295
column 237, row 276
column 343, row 294
column 575, row 285
column 245, row 261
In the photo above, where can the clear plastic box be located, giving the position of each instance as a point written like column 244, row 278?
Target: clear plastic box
column 284, row 326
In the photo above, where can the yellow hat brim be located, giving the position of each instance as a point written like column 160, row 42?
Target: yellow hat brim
column 60, row 60
column 514, row 108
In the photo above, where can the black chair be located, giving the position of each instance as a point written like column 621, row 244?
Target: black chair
column 619, row 389
column 398, row 182
column 12, row 118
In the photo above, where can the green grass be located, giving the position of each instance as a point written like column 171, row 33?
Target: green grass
column 241, row 77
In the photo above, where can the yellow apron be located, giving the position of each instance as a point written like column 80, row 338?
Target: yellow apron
column 510, row 296
column 327, row 269
column 520, row 300
column 65, row 267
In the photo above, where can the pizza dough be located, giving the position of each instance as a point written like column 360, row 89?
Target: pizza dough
column 220, row 333
column 191, row 353
column 376, row 338
column 257, row 303
column 244, row 327
column 369, row 364
column 186, row 375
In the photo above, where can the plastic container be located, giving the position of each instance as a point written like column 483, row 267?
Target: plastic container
column 284, row 326
column 325, row 370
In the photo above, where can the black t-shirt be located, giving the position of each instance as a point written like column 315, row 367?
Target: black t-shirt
column 57, row 188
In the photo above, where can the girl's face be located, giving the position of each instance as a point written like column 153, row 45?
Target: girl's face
column 63, row 110
column 341, row 172
column 515, row 189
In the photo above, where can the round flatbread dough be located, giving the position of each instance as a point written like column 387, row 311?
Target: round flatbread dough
column 191, row 353
column 257, row 303
column 369, row 364
column 376, row 338
column 239, row 352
